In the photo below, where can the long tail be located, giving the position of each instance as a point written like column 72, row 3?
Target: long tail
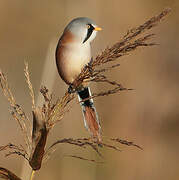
column 91, row 120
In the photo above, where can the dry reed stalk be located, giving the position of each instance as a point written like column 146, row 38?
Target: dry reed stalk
column 130, row 42
column 47, row 116
column 27, row 76
column 89, row 142
column 17, row 111
column 8, row 175
column 48, row 79
column 85, row 159
column 39, row 138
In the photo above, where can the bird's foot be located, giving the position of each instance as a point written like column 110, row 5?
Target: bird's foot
column 71, row 89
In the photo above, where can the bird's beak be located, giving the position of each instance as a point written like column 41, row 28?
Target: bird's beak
column 97, row 29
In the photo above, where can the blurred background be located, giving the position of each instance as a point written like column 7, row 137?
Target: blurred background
column 149, row 115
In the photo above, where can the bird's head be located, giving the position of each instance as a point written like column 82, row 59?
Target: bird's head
column 82, row 29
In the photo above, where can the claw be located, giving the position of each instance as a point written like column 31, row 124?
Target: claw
column 71, row 89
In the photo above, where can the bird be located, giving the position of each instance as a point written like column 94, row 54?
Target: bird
column 73, row 53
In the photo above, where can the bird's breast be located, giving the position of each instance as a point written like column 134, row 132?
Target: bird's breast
column 71, row 59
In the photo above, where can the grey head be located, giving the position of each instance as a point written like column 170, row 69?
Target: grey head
column 83, row 29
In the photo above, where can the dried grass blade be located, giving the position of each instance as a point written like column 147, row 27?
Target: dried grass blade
column 85, row 159
column 27, row 76
column 125, row 142
column 8, row 175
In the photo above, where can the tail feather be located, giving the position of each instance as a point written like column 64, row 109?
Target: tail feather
column 89, row 113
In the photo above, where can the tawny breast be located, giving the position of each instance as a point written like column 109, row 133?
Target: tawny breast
column 71, row 57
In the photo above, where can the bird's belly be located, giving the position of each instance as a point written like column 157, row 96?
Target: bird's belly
column 73, row 64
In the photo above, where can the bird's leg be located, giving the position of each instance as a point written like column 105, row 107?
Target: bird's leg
column 71, row 89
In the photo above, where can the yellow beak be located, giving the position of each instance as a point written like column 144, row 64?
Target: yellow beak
column 97, row 29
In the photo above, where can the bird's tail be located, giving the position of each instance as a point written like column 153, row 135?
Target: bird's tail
column 91, row 120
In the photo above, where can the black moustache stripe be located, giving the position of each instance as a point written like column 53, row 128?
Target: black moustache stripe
column 90, row 30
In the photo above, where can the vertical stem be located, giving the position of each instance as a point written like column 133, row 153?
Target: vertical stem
column 48, row 78
column 32, row 175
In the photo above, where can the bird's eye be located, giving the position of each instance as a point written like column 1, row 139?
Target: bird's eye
column 89, row 32
column 88, row 26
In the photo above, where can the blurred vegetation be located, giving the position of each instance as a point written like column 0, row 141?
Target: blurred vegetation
column 149, row 115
